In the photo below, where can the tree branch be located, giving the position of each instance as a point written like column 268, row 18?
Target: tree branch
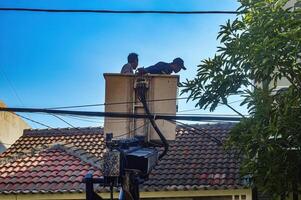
column 254, row 86
column 292, row 81
column 234, row 110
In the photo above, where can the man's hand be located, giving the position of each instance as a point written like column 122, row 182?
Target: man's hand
column 141, row 71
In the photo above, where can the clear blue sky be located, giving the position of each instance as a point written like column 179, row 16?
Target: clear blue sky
column 58, row 59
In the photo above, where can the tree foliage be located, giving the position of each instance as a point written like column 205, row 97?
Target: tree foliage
column 260, row 47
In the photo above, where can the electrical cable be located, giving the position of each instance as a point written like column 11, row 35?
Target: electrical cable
column 232, row 102
column 42, row 124
column 128, row 102
column 93, row 118
column 109, row 121
column 127, row 133
column 118, row 11
column 34, row 121
column 158, row 116
column 64, row 121
column 121, row 115
column 115, row 103
column 13, row 88
column 141, row 93
column 195, row 128
column 83, row 119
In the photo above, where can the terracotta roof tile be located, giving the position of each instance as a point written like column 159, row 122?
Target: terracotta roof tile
column 56, row 160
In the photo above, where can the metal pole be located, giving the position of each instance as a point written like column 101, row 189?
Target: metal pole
column 111, row 191
column 89, row 187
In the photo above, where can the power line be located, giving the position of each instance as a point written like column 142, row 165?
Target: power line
column 64, row 121
column 127, row 133
column 13, row 88
column 34, row 121
column 124, row 134
column 110, row 121
column 118, row 11
column 128, row 102
column 200, row 131
column 116, row 103
column 83, row 119
column 232, row 102
column 122, row 115
column 37, row 122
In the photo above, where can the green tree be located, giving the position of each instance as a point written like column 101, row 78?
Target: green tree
column 260, row 47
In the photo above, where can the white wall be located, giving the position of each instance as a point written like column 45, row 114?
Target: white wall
column 11, row 128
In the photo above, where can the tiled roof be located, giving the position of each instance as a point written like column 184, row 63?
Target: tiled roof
column 56, row 160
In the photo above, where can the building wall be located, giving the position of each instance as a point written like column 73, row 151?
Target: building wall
column 11, row 128
column 235, row 194
column 291, row 3
column 284, row 82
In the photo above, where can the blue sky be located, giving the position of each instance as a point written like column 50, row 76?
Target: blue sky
column 58, row 59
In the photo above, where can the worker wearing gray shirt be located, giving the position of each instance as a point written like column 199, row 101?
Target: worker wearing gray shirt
column 131, row 65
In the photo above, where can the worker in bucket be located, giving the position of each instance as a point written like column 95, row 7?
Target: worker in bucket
column 131, row 65
column 164, row 68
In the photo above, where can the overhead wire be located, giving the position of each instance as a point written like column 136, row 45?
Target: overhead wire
column 216, row 140
column 232, row 102
column 83, row 119
column 118, row 121
column 128, row 102
column 124, row 134
column 13, row 89
column 117, row 11
column 34, row 121
column 108, row 120
column 115, row 103
column 112, row 120
column 11, row 86
column 127, row 133
column 170, row 120
column 122, row 120
column 91, row 117
column 40, row 123
column 64, row 121
column 120, row 114
column 145, row 124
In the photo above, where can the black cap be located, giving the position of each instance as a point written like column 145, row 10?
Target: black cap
column 179, row 62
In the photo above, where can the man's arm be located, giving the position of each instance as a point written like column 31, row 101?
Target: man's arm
column 126, row 69
column 155, row 69
column 159, row 68
column 150, row 69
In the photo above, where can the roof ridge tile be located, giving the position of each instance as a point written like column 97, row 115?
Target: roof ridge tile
column 63, row 131
column 81, row 154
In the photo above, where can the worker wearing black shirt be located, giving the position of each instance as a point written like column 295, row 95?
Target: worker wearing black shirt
column 164, row 68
